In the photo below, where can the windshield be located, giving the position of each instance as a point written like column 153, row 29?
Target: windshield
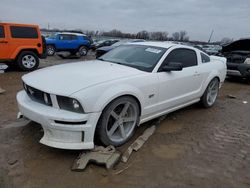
column 137, row 56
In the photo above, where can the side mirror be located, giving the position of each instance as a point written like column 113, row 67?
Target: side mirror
column 172, row 66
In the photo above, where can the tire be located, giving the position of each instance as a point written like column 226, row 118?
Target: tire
column 27, row 61
column 210, row 95
column 51, row 50
column 83, row 51
column 118, row 121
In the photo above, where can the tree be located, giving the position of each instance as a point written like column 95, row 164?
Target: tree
column 176, row 36
column 180, row 36
column 183, row 36
column 158, row 35
column 142, row 35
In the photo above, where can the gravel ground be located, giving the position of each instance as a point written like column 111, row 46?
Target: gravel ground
column 193, row 147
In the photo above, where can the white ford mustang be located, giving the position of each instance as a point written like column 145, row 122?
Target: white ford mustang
column 109, row 97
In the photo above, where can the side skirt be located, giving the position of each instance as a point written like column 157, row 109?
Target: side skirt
column 168, row 111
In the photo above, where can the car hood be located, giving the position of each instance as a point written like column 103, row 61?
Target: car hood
column 239, row 45
column 69, row 78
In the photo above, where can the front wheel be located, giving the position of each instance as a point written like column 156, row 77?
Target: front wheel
column 28, row 61
column 51, row 50
column 209, row 97
column 118, row 121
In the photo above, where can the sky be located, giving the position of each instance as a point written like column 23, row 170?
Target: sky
column 228, row 18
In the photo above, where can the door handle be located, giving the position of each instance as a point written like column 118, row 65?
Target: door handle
column 4, row 42
column 196, row 73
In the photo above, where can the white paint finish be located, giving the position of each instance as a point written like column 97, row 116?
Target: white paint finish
column 59, row 135
column 69, row 78
column 96, row 83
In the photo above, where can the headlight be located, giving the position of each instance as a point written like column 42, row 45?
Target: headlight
column 247, row 61
column 69, row 104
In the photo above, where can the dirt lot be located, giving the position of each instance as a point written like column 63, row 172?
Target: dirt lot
column 193, row 147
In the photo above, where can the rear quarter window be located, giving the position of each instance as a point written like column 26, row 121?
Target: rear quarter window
column 205, row 58
column 1, row 32
column 23, row 32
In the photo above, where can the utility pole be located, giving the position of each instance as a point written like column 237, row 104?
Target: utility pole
column 48, row 26
column 211, row 36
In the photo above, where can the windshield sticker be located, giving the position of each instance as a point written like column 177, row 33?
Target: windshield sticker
column 153, row 50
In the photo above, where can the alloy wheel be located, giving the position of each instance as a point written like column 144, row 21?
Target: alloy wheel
column 121, row 121
column 28, row 61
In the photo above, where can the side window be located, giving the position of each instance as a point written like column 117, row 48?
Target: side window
column 1, row 32
column 205, row 58
column 73, row 37
column 60, row 37
column 185, row 56
column 64, row 37
column 23, row 32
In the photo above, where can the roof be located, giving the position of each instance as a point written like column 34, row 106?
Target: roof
column 162, row 44
column 18, row 24
column 72, row 33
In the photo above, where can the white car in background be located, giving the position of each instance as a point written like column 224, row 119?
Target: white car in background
column 109, row 97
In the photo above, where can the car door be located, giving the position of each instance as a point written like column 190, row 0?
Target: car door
column 4, row 44
column 64, row 42
column 74, row 42
column 179, row 87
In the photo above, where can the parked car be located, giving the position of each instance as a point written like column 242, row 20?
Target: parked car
column 211, row 49
column 109, row 97
column 21, row 45
column 238, row 58
column 105, row 49
column 103, row 43
column 71, row 42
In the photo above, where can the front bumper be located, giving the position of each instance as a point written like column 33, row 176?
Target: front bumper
column 236, row 69
column 62, row 129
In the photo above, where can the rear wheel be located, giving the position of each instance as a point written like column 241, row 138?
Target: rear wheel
column 118, row 121
column 83, row 51
column 51, row 50
column 28, row 61
column 209, row 97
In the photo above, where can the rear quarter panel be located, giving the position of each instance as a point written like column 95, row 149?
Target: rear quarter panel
column 215, row 68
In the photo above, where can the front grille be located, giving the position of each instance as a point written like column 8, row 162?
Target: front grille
column 37, row 95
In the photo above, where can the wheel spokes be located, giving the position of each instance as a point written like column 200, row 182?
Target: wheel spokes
column 115, row 115
column 124, row 110
column 122, row 130
column 113, row 129
column 121, row 122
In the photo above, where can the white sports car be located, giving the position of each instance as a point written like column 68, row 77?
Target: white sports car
column 108, row 98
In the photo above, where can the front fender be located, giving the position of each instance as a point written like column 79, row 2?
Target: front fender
column 97, row 98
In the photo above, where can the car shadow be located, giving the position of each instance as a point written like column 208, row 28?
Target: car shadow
column 238, row 80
